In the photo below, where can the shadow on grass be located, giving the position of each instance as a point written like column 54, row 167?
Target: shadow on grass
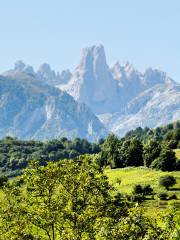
column 174, row 189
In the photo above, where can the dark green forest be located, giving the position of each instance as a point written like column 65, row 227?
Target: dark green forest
column 16, row 154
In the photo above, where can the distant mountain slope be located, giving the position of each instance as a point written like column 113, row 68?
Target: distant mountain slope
column 31, row 109
column 156, row 106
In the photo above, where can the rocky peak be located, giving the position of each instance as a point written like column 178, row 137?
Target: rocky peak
column 92, row 81
column 29, row 70
column 46, row 74
column 93, row 59
column 19, row 66
column 154, row 76
column 65, row 76
column 46, row 71
column 117, row 71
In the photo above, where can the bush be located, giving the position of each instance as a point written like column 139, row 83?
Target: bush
column 173, row 196
column 137, row 198
column 142, row 190
column 147, row 190
column 167, row 181
column 138, row 189
column 3, row 180
column 118, row 181
column 163, row 196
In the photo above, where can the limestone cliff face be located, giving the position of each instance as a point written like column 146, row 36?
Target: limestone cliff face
column 30, row 109
column 108, row 89
column 92, row 82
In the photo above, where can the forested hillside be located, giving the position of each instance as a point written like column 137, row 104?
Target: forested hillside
column 16, row 154
column 149, row 147
column 169, row 132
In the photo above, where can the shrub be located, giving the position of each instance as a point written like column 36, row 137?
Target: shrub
column 147, row 190
column 137, row 198
column 138, row 189
column 118, row 181
column 163, row 196
column 3, row 180
column 173, row 196
column 167, row 181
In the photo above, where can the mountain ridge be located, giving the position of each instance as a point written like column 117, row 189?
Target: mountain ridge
column 119, row 95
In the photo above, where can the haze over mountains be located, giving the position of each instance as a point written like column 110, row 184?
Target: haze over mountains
column 122, row 97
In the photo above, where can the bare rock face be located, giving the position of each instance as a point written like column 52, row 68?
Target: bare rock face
column 92, row 82
column 112, row 92
column 49, row 76
column 31, row 109
column 153, row 107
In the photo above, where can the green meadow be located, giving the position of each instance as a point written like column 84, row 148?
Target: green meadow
column 131, row 176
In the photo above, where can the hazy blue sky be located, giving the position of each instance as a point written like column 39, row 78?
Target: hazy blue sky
column 143, row 32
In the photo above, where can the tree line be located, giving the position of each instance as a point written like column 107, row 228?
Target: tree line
column 140, row 147
column 131, row 151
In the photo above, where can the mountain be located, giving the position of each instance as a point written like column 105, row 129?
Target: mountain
column 108, row 89
column 44, row 73
column 122, row 97
column 92, row 82
column 31, row 109
column 49, row 76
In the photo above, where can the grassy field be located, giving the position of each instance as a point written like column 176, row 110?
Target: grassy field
column 132, row 176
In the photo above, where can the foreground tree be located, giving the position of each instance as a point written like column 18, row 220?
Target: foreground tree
column 61, row 200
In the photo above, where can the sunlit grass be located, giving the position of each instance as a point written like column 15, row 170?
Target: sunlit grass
column 177, row 151
column 141, row 175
